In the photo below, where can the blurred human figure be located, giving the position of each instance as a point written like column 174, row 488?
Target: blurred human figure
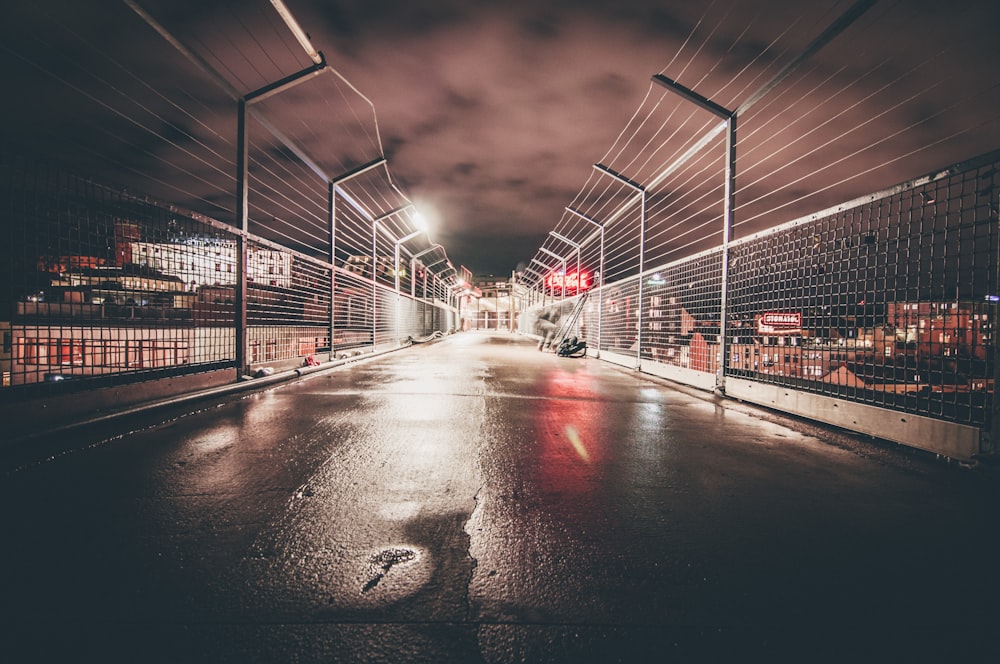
column 547, row 328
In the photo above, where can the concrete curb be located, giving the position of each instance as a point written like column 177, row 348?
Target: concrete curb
column 246, row 384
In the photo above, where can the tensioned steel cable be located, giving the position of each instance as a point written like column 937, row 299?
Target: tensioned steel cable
column 964, row 130
column 140, row 124
column 888, row 110
column 630, row 165
column 734, row 79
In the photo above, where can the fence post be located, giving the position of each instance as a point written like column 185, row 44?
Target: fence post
column 641, row 195
column 729, row 207
column 992, row 446
column 642, row 279
column 242, row 218
column 332, row 209
column 600, row 270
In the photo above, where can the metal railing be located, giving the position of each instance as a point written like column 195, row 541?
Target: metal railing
column 102, row 284
column 252, row 244
column 876, row 314
column 888, row 302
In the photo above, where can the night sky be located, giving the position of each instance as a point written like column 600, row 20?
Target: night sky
column 492, row 114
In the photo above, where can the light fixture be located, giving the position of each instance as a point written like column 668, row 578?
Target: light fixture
column 297, row 31
column 419, row 220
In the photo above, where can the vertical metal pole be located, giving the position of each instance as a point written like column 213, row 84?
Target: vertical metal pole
column 413, row 275
column 993, row 445
column 395, row 263
column 578, row 284
column 564, row 275
column 600, row 299
column 374, row 286
column 642, row 278
column 600, row 272
column 332, row 207
column 395, row 259
column 510, row 303
column 727, row 229
column 243, row 219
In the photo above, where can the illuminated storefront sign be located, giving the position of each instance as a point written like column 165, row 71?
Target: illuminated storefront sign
column 779, row 322
column 571, row 281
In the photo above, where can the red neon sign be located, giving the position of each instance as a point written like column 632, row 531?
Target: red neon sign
column 575, row 281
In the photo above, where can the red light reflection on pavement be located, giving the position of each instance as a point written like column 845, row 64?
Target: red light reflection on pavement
column 570, row 438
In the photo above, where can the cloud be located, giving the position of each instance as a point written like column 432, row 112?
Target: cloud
column 498, row 103
column 494, row 113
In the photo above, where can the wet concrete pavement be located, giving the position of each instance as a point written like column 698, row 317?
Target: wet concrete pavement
column 474, row 500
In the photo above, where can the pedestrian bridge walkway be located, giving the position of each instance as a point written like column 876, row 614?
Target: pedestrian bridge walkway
column 476, row 500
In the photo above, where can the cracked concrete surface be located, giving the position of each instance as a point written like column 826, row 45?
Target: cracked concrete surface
column 478, row 501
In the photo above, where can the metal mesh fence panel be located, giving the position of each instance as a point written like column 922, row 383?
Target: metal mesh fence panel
column 621, row 322
column 889, row 301
column 352, row 313
column 682, row 309
column 102, row 287
column 589, row 327
column 288, row 305
column 418, row 319
column 99, row 283
column 386, row 305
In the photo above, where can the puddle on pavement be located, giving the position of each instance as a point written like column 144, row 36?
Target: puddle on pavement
column 382, row 562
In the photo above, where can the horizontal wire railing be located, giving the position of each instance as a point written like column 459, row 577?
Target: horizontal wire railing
column 161, row 229
column 889, row 300
column 885, row 300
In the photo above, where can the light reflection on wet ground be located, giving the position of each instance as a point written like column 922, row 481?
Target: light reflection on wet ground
column 475, row 499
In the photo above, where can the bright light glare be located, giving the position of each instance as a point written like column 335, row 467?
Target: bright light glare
column 419, row 220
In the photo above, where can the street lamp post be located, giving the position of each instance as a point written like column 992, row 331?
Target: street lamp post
column 729, row 207
column 600, row 292
column 641, row 194
column 413, row 263
column 459, row 287
column 399, row 243
column 376, row 227
column 563, row 259
column 576, row 246
column 541, row 277
column 336, row 189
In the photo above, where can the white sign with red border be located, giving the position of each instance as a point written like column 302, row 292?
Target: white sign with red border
column 779, row 322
